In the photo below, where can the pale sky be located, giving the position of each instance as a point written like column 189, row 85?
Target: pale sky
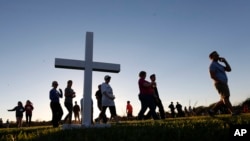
column 171, row 38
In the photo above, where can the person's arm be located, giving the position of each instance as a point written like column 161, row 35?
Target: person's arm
column 227, row 67
column 60, row 93
column 109, row 96
column 147, row 84
column 12, row 109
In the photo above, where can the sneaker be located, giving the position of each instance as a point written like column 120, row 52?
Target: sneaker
column 211, row 113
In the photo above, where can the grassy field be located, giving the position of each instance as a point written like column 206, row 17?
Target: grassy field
column 179, row 129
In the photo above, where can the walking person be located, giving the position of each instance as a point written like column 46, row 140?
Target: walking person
column 146, row 96
column 180, row 112
column 218, row 74
column 98, row 96
column 28, row 112
column 76, row 110
column 129, row 110
column 68, row 103
column 55, row 105
column 172, row 108
column 107, row 100
column 19, row 113
column 157, row 98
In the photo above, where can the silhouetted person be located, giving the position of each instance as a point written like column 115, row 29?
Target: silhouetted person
column 28, row 112
column 146, row 96
column 55, row 105
column 107, row 100
column 129, row 110
column 76, row 110
column 19, row 113
column 172, row 108
column 157, row 99
column 7, row 123
column 68, row 103
column 180, row 112
column 218, row 74
column 98, row 96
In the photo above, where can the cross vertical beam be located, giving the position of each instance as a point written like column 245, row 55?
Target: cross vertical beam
column 88, row 65
column 87, row 100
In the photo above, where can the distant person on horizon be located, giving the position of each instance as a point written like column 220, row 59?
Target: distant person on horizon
column 55, row 105
column 146, row 96
column 129, row 110
column 28, row 112
column 76, row 110
column 171, row 107
column 218, row 74
column 180, row 112
column 107, row 100
column 69, row 94
column 19, row 113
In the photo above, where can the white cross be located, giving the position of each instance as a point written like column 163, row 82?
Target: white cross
column 88, row 65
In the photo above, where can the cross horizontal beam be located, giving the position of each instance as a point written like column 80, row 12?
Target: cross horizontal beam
column 80, row 65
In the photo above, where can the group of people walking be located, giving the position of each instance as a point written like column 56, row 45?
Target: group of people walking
column 148, row 95
column 104, row 95
column 56, row 108
column 20, row 109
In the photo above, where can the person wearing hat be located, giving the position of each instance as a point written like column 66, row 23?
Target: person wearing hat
column 107, row 100
column 55, row 105
column 218, row 74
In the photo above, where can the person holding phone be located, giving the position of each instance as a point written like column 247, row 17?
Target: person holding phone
column 218, row 74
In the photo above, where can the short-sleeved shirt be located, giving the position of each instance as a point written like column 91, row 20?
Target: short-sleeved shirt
column 106, row 101
column 219, row 71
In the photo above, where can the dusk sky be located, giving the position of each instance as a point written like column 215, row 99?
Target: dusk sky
column 171, row 38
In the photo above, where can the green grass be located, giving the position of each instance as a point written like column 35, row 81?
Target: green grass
column 178, row 129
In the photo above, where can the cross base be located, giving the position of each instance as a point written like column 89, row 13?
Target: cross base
column 82, row 126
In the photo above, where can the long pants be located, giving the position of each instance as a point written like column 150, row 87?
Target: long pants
column 112, row 110
column 28, row 119
column 147, row 101
column 57, row 113
column 69, row 107
column 160, row 107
